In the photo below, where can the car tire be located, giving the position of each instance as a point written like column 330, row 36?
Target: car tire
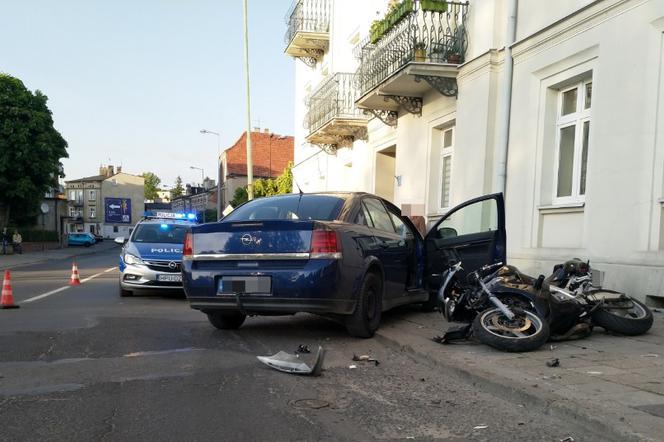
column 125, row 293
column 227, row 320
column 88, row 244
column 364, row 322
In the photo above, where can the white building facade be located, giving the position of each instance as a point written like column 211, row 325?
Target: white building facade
column 558, row 104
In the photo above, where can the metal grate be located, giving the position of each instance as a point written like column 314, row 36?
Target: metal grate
column 307, row 16
column 441, row 36
column 334, row 98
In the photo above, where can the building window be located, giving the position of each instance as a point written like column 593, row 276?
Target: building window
column 93, row 212
column 572, row 139
column 72, row 211
column 92, row 195
column 446, row 155
column 115, row 229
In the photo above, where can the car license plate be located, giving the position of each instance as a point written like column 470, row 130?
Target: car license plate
column 245, row 285
column 169, row 278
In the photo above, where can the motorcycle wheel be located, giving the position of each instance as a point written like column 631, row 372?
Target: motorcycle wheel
column 626, row 316
column 526, row 332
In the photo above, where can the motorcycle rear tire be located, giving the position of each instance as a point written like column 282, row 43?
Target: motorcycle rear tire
column 511, row 344
column 624, row 325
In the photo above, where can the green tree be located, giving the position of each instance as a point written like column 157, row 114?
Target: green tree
column 240, row 196
column 30, row 151
column 178, row 190
column 152, row 182
column 266, row 187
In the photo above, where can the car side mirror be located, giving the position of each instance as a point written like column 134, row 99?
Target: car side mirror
column 120, row 240
column 447, row 232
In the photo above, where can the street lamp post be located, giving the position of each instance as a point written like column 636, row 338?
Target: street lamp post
column 205, row 131
column 202, row 179
column 250, row 165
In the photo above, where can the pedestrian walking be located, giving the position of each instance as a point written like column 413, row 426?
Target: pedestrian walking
column 5, row 240
column 17, row 241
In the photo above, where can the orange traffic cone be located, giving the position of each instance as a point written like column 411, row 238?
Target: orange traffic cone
column 7, row 300
column 75, row 278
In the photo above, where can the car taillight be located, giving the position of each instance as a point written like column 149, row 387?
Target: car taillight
column 325, row 244
column 188, row 248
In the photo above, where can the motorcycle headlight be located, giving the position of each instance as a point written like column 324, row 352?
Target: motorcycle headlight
column 131, row 259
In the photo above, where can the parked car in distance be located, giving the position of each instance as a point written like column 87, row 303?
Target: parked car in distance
column 81, row 239
column 351, row 255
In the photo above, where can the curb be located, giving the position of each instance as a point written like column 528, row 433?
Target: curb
column 545, row 403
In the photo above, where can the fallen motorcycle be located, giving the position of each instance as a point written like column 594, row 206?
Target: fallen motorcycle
column 507, row 309
column 614, row 311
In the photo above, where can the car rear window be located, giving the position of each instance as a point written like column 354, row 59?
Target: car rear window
column 304, row 207
column 160, row 233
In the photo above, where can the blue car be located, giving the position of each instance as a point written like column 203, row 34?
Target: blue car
column 350, row 255
column 81, row 239
column 151, row 256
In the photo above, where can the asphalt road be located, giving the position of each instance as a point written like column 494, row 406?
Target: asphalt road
column 84, row 364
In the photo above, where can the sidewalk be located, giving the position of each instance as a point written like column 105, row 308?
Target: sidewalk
column 9, row 262
column 613, row 384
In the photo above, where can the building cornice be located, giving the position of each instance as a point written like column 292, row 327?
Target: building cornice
column 571, row 25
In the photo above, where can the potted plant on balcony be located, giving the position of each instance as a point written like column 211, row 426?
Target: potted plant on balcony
column 455, row 51
column 420, row 49
column 433, row 5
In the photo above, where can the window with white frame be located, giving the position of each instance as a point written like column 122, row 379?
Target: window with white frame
column 93, row 212
column 92, row 195
column 572, row 137
column 446, row 155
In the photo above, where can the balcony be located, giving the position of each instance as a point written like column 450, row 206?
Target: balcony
column 307, row 37
column 333, row 120
column 419, row 52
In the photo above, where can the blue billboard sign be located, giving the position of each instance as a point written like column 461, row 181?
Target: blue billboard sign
column 117, row 210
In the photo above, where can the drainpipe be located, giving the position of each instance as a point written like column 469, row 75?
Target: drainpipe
column 505, row 100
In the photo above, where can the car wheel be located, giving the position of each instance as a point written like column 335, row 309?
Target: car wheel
column 227, row 320
column 364, row 322
column 88, row 244
column 125, row 293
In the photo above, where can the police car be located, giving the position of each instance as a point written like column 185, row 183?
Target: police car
column 152, row 255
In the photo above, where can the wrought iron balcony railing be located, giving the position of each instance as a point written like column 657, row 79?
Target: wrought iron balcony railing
column 332, row 118
column 307, row 36
column 422, row 36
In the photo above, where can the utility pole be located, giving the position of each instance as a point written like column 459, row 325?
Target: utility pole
column 250, row 163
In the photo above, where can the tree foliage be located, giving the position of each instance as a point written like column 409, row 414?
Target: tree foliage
column 30, row 151
column 267, row 187
column 178, row 190
column 152, row 182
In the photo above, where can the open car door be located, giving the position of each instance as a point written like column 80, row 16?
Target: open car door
column 472, row 232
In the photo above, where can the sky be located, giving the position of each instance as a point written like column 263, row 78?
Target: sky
column 133, row 82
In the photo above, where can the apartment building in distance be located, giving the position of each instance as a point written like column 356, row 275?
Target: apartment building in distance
column 108, row 204
column 557, row 104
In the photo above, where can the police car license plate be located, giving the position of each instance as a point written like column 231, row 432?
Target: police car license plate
column 245, row 285
column 169, row 278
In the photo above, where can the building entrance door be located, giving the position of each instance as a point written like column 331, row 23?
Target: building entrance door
column 384, row 173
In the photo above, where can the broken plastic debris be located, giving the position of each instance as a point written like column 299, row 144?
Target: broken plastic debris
column 480, row 427
column 650, row 355
column 567, row 439
column 553, row 347
column 303, row 349
column 553, row 363
column 352, row 366
column 365, row 358
column 289, row 363
column 594, row 372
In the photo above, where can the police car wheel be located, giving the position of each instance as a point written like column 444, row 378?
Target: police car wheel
column 124, row 293
column 226, row 320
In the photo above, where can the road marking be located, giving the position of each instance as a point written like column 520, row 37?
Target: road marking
column 61, row 289
column 44, row 295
